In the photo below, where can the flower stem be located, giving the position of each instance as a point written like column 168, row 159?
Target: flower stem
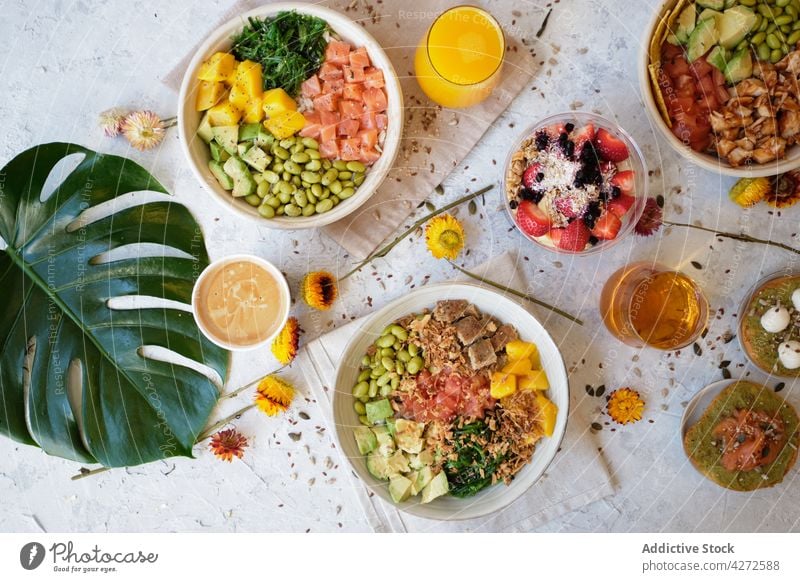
column 518, row 294
column 385, row 250
column 740, row 237
column 169, row 122
column 248, row 385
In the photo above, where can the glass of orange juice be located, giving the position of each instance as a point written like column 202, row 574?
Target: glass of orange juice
column 458, row 61
column 646, row 304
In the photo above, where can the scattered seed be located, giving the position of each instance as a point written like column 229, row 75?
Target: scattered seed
column 698, row 351
column 726, row 373
column 697, row 265
column 295, row 436
column 589, row 390
column 600, row 390
column 724, row 363
column 304, row 415
column 430, row 206
column 780, row 386
column 473, row 208
column 597, row 426
column 439, row 189
column 660, row 201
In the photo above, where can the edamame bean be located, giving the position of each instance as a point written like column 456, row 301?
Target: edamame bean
column 340, row 165
column 270, row 176
column 373, row 388
column 280, row 152
column 758, row 38
column 748, row 2
column 287, row 142
column 329, row 176
column 301, row 158
column 400, row 368
column 314, row 166
column 346, row 193
column 398, row 332
column 383, row 380
column 292, row 210
column 794, row 38
column 361, row 389
column 324, row 205
column 359, row 407
column 355, row 166
column 314, row 155
column 310, row 142
column 359, row 179
column 363, row 376
column 385, row 341
column 266, row 211
column 775, row 55
column 292, row 167
column 309, row 210
column 413, row 349
column 364, row 420
column 386, row 389
column 387, row 353
column 253, row 200
column 263, row 189
column 415, row 365
column 365, row 361
column 300, row 198
column 335, row 200
column 403, row 356
column 336, row 187
column 310, row 177
column 763, row 52
column 782, row 3
column 388, row 363
column 395, row 383
column 772, row 41
column 346, row 175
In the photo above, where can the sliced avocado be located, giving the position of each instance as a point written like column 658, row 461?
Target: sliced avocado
column 708, row 13
column 729, row 3
column 378, row 466
column 216, row 150
column 400, row 488
column 224, row 179
column 703, row 37
column 386, row 444
column 390, row 425
column 257, row 158
column 685, row 24
column 227, row 136
column 739, row 67
column 398, row 463
column 408, row 435
column 365, row 439
column 423, row 459
column 412, row 476
column 204, row 129
column 424, row 476
column 249, row 131
column 718, row 57
column 242, row 148
column 244, row 186
column 236, row 168
column 713, row 4
column 264, row 138
column 734, row 25
column 436, row 488
column 379, row 410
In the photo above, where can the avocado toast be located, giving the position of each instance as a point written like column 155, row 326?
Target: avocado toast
column 746, row 439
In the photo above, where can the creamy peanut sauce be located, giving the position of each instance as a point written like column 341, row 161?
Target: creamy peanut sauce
column 240, row 303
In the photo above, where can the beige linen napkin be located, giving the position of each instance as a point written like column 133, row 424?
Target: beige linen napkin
column 435, row 140
column 578, row 475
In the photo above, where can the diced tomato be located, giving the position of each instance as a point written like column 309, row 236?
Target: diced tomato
column 369, row 155
column 706, row 86
column 369, row 137
column 329, row 71
column 329, row 149
column 325, row 102
column 335, row 86
column 311, row 87
column 353, row 74
column 312, row 126
column 676, row 68
column 700, row 68
column 337, row 52
column 351, row 109
column 375, row 100
column 348, row 127
column 327, row 132
column 349, row 149
column 670, row 51
column 373, row 78
column 359, row 58
column 353, row 91
column 381, row 121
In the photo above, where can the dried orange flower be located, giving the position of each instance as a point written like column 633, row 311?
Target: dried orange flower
column 319, row 290
column 625, row 405
column 284, row 346
column 274, row 395
column 227, row 444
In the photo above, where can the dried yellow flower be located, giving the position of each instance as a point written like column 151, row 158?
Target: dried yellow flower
column 319, row 290
column 274, row 395
column 284, row 346
column 625, row 406
column 444, row 237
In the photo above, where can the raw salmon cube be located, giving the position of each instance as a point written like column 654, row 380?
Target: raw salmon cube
column 369, row 121
column 353, row 74
column 348, row 128
column 368, row 137
column 381, row 121
column 312, row 126
column 349, row 149
column 334, row 86
column 359, row 58
column 329, row 71
column 327, row 101
column 327, row 132
column 329, row 149
column 351, row 109
column 353, row 91
column 375, row 99
column 373, row 78
column 369, row 155
column 311, row 87
column 338, row 52
column 328, row 117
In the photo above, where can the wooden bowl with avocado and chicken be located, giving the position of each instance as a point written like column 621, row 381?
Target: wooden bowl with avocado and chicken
column 745, row 438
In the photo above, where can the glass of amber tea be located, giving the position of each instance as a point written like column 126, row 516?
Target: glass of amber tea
column 646, row 304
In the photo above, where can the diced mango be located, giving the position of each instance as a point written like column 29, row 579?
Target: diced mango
column 209, row 93
column 518, row 367
column 519, row 350
column 285, row 124
column 547, row 413
column 224, row 114
column 503, row 385
column 219, row 67
column 535, row 380
column 239, row 97
column 253, row 111
column 249, row 78
column 277, row 100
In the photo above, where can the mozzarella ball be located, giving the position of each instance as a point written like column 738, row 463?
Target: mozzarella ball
column 775, row 319
column 789, row 354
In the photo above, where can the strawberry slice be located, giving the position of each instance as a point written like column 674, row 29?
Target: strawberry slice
column 607, row 226
column 567, row 207
column 581, row 137
column 529, row 177
column 620, row 205
column 610, row 147
column 624, row 181
column 555, row 236
column 531, row 219
column 575, row 236
column 555, row 130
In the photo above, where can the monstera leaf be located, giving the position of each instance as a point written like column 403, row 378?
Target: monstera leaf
column 78, row 376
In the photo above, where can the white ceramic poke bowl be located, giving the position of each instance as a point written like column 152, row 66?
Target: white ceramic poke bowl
column 505, row 310
column 197, row 152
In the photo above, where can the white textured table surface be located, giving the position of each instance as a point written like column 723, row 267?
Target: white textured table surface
column 64, row 62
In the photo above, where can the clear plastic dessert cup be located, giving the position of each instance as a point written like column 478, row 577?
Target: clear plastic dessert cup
column 634, row 162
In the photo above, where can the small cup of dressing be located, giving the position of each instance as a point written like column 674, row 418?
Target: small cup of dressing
column 241, row 302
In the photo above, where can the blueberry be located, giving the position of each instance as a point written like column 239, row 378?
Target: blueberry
column 569, row 127
column 593, row 209
column 513, row 204
column 616, row 192
column 562, row 139
column 542, row 140
column 526, row 194
column 593, row 240
column 537, row 196
column 569, row 149
column 589, row 220
column 539, row 177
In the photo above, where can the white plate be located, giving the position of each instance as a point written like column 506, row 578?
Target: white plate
column 505, row 310
column 197, row 151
